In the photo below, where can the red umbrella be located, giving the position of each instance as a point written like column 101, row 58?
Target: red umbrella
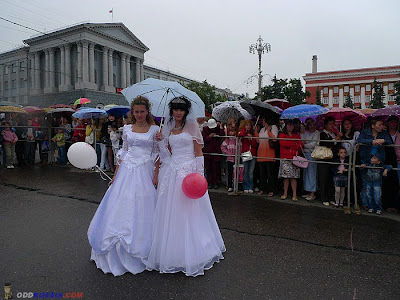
column 33, row 109
column 82, row 101
column 357, row 118
column 281, row 103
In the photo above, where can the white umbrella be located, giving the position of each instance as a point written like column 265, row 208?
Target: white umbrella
column 161, row 92
column 229, row 109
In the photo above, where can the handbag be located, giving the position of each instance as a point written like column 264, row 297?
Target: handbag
column 90, row 138
column 246, row 156
column 322, row 152
column 300, row 161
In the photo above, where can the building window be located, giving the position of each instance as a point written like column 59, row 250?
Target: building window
column 391, row 86
column 21, row 82
column 391, row 98
column 325, row 90
column 367, row 98
column 336, row 89
column 356, row 99
column 357, row 88
column 6, row 85
column 95, row 76
column 13, row 84
column 346, row 89
column 114, row 80
column 95, row 55
column 335, row 100
column 325, row 100
column 368, row 88
column 6, row 70
column 114, row 61
column 22, row 66
column 14, row 68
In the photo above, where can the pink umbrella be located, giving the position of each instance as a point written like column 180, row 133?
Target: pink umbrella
column 357, row 118
column 33, row 109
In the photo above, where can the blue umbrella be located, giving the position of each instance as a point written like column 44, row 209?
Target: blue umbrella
column 118, row 110
column 89, row 113
column 303, row 111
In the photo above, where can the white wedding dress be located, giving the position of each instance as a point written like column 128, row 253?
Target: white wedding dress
column 120, row 231
column 186, row 236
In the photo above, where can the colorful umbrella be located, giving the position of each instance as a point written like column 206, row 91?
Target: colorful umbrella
column 33, row 109
column 89, row 113
column 61, row 106
column 386, row 112
column 118, row 110
column 12, row 109
column 303, row 111
column 82, row 101
column 61, row 110
column 8, row 103
column 230, row 109
column 357, row 118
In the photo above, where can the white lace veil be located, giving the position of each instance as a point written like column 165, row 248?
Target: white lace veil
column 191, row 127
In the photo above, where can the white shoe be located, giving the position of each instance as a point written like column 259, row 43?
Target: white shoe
column 230, row 190
column 251, row 191
column 256, row 189
column 9, row 167
column 326, row 203
column 246, row 191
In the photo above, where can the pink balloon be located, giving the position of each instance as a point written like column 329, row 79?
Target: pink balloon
column 194, row 185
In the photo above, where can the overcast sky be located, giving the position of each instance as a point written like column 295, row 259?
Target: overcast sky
column 210, row 39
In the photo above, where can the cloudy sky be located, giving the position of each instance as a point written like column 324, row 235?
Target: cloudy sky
column 210, row 39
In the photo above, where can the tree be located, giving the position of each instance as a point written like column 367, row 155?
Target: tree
column 348, row 102
column 294, row 92
column 206, row 92
column 318, row 97
column 275, row 90
column 397, row 93
column 379, row 95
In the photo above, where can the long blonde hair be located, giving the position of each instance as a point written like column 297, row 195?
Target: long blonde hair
column 140, row 100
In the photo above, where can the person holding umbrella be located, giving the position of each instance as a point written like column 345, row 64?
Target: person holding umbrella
column 186, row 237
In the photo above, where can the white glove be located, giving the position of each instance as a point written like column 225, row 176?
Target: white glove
column 200, row 165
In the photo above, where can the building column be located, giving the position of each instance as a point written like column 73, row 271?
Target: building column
column 123, row 70
column 1, row 82
column 342, row 99
column 137, row 63
column 91, row 63
column 79, row 65
column 141, row 70
column 106, row 86
column 17, row 87
column 62, row 67
column 37, row 73
column 128, row 70
column 51, row 83
column 46, row 69
column 85, row 62
column 362, row 96
column 110, row 67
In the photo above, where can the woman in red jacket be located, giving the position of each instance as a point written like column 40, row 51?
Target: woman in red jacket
column 288, row 149
column 246, row 131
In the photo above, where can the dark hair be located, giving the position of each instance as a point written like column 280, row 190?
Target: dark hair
column 287, row 122
column 340, row 148
column 374, row 121
column 308, row 122
column 328, row 119
column 140, row 100
column 181, row 103
column 352, row 130
column 114, row 125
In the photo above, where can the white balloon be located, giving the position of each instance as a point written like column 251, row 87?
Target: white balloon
column 82, row 155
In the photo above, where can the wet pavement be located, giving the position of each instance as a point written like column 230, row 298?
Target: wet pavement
column 275, row 249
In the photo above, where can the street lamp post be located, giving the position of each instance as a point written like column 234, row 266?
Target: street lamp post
column 259, row 48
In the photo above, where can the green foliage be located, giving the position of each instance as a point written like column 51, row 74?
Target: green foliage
column 289, row 89
column 379, row 95
column 397, row 93
column 206, row 92
column 348, row 102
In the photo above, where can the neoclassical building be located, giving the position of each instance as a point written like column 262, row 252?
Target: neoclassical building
column 89, row 60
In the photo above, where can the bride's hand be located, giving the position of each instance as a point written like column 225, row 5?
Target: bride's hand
column 158, row 136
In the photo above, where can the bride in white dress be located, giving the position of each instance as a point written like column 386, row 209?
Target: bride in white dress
column 186, row 236
column 120, row 231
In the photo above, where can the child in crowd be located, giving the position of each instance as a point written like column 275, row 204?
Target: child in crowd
column 9, row 141
column 115, row 137
column 340, row 176
column 373, row 181
column 59, row 138
column 228, row 147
